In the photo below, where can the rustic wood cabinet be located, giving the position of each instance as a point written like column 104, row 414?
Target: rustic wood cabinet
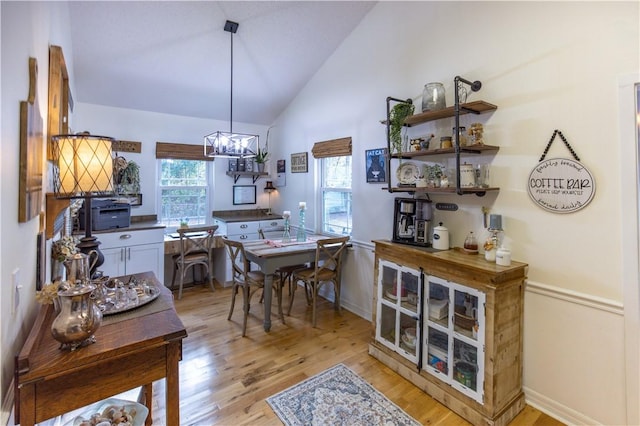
column 468, row 317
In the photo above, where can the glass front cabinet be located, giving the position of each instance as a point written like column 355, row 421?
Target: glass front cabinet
column 454, row 337
column 400, row 295
column 466, row 315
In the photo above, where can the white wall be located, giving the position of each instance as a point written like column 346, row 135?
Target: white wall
column 546, row 67
column 27, row 30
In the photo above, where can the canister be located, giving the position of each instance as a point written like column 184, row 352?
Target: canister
column 467, row 176
column 440, row 238
column 503, row 257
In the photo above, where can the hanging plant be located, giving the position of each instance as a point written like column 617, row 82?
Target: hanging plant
column 397, row 115
column 127, row 176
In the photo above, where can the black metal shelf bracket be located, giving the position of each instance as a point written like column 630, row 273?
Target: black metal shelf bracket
column 475, row 86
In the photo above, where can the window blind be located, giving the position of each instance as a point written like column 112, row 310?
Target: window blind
column 332, row 148
column 180, row 151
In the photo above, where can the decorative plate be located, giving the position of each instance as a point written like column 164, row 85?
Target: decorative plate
column 407, row 173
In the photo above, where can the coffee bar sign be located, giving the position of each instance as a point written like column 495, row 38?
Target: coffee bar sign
column 561, row 185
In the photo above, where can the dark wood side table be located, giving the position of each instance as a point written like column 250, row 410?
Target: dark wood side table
column 141, row 347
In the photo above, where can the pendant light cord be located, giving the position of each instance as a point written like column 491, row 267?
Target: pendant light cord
column 231, row 94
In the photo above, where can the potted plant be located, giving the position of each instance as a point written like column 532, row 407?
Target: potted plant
column 261, row 157
column 398, row 113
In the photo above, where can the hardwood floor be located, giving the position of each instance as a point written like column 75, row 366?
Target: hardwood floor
column 225, row 379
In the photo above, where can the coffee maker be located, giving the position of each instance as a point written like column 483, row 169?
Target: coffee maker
column 411, row 221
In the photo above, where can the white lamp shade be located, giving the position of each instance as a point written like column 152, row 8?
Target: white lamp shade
column 84, row 165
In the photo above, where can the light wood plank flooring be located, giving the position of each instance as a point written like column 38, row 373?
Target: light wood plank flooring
column 225, row 379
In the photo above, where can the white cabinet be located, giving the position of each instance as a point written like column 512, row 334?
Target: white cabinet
column 132, row 252
column 399, row 294
column 242, row 231
column 454, row 324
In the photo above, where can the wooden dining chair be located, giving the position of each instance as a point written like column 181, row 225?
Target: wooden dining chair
column 196, row 248
column 247, row 280
column 327, row 267
column 285, row 273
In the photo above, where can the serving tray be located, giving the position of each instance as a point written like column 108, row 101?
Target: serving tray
column 110, row 302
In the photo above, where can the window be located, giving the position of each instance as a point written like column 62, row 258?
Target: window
column 183, row 192
column 336, row 195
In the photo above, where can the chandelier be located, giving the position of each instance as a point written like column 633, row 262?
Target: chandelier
column 230, row 144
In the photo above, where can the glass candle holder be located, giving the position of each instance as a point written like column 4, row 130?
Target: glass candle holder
column 302, row 232
column 286, row 235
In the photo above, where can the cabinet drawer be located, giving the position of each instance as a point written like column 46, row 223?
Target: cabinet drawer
column 270, row 224
column 243, row 228
column 130, row 238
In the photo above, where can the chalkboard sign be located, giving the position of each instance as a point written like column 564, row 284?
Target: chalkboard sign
column 561, row 185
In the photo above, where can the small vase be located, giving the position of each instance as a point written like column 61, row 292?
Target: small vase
column 260, row 167
column 302, row 232
column 57, row 271
column 286, row 236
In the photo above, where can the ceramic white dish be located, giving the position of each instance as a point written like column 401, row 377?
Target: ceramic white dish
column 408, row 342
column 138, row 411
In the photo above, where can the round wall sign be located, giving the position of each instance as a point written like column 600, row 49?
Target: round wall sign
column 561, row 185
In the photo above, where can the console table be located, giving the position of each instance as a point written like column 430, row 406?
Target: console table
column 132, row 349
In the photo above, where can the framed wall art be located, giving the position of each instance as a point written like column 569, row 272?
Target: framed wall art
column 244, row 194
column 59, row 97
column 376, row 165
column 281, row 177
column 31, row 140
column 300, row 162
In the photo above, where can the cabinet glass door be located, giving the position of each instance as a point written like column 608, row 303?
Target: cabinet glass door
column 468, row 340
column 454, row 344
column 397, row 325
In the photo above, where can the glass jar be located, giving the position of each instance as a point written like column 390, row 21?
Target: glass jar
column 471, row 243
column 445, row 142
column 433, row 97
column 462, row 137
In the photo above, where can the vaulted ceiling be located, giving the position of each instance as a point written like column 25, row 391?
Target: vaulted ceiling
column 174, row 56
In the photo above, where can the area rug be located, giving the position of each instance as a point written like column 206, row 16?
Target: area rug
column 337, row 396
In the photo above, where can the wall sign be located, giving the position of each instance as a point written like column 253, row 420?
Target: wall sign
column 561, row 185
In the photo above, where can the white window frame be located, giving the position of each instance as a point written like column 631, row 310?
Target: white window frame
column 323, row 190
column 208, row 191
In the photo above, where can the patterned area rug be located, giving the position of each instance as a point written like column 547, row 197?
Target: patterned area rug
column 337, row 396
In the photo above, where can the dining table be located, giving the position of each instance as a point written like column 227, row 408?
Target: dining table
column 270, row 255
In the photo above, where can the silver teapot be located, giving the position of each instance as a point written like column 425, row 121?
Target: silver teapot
column 79, row 316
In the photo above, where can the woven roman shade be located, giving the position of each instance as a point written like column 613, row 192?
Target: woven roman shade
column 333, row 148
column 180, row 151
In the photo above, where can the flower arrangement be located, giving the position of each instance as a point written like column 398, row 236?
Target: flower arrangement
column 49, row 292
column 63, row 248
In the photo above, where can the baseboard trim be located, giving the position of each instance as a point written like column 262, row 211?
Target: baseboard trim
column 557, row 411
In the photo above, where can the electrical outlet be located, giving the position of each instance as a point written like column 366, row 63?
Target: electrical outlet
column 15, row 288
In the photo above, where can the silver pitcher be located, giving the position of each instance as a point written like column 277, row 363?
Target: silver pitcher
column 79, row 317
column 78, row 267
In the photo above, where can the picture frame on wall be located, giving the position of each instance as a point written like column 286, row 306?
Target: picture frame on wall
column 376, row 165
column 300, row 162
column 244, row 194
column 281, row 177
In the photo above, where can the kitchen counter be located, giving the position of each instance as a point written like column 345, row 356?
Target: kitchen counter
column 250, row 215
